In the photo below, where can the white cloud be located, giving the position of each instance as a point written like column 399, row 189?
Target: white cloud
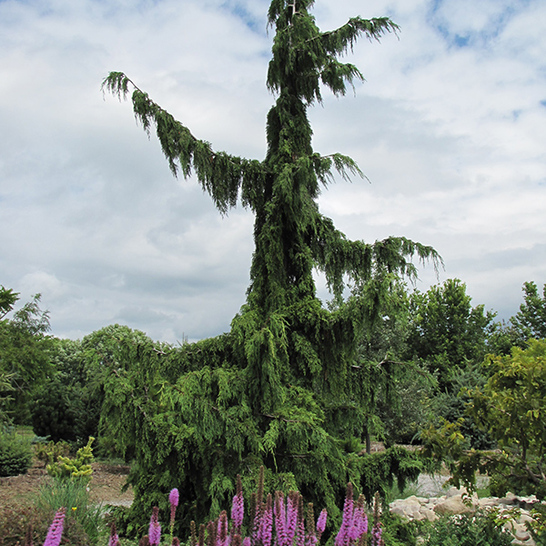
column 449, row 127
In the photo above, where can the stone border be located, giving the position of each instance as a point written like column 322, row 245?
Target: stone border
column 515, row 509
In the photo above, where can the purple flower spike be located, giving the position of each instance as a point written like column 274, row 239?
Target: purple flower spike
column 266, row 527
column 344, row 535
column 238, row 510
column 291, row 516
column 55, row 532
column 154, row 532
column 246, row 541
column 174, row 497
column 321, row 522
column 114, row 538
column 376, row 534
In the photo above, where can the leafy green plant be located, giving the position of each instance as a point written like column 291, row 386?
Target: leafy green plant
column 15, row 454
column 480, row 529
column 54, row 411
column 537, row 527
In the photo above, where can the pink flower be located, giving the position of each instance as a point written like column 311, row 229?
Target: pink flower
column 174, row 497
column 55, row 532
column 154, row 532
column 237, row 510
column 321, row 522
column 114, row 539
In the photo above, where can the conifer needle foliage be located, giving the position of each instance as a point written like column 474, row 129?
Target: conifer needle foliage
column 278, row 389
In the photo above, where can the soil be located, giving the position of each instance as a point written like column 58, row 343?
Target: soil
column 105, row 486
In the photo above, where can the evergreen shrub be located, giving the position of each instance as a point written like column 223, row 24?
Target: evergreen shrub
column 15, row 454
column 54, row 412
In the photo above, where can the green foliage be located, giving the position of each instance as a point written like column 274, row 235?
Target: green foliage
column 537, row 527
column 8, row 298
column 68, row 405
column 510, row 406
column 398, row 531
column 24, row 348
column 77, row 469
column 54, row 411
column 468, row 530
column 530, row 320
column 15, row 454
column 381, row 469
column 446, row 331
column 5, row 389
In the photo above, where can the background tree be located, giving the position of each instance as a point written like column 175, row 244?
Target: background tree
column 446, row 331
column 510, row 407
column 450, row 337
column 530, row 320
column 68, row 405
column 271, row 391
column 394, row 392
column 23, row 351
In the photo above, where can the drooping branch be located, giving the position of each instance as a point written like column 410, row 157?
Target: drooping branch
column 224, row 177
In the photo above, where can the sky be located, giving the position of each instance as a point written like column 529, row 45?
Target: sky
column 449, row 128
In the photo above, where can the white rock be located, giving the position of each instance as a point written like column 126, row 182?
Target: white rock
column 453, row 505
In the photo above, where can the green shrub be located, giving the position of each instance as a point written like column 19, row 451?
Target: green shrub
column 468, row 530
column 15, row 454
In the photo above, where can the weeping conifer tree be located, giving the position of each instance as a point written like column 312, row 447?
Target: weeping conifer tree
column 279, row 389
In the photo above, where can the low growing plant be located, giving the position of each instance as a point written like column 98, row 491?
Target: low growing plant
column 74, row 496
column 468, row 530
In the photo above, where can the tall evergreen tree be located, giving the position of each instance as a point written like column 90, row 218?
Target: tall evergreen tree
column 274, row 390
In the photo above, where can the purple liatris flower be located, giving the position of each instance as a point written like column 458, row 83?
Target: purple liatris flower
column 300, row 529
column 238, row 510
column 173, row 500
column 280, row 518
column 154, row 532
column 114, row 539
column 321, row 522
column 376, row 534
column 246, row 541
column 222, row 530
column 291, row 516
column 360, row 524
column 343, row 537
column 55, row 532
column 266, row 525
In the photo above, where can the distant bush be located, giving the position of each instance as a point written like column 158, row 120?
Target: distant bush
column 15, row 454
column 54, row 413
